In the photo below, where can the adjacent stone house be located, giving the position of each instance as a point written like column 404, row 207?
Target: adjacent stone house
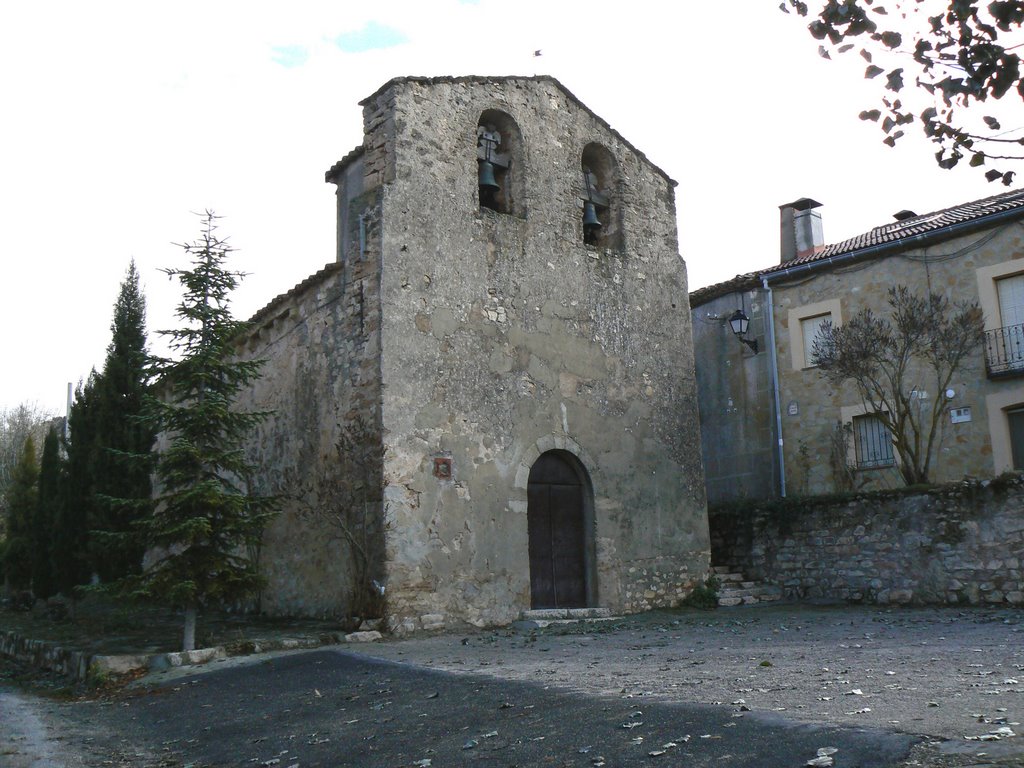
column 487, row 402
column 783, row 406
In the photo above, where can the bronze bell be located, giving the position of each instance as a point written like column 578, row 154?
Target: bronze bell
column 590, row 216
column 486, row 175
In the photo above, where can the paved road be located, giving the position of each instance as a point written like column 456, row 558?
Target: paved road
column 334, row 708
column 613, row 694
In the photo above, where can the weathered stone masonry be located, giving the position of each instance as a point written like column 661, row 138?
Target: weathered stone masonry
column 467, row 343
column 962, row 543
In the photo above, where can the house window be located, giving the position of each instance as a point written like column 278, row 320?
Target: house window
column 1015, row 421
column 1008, row 344
column 803, row 324
column 872, row 442
column 809, row 328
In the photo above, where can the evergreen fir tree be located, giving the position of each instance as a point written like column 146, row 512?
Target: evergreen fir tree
column 71, row 548
column 21, row 504
column 44, row 516
column 203, row 522
column 124, row 439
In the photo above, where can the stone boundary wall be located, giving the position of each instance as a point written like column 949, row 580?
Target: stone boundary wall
column 78, row 665
column 960, row 543
column 45, row 655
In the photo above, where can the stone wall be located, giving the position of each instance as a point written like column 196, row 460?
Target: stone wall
column 320, row 447
column 737, row 426
column 504, row 335
column 961, row 543
column 44, row 655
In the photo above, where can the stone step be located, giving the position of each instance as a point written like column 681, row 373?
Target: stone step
column 748, row 593
column 542, row 623
column 729, row 577
column 752, row 589
column 547, row 617
column 566, row 613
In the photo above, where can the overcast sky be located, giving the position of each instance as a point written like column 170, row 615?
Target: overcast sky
column 122, row 119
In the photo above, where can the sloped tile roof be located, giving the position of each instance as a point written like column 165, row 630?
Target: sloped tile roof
column 710, row 293
column 265, row 313
column 931, row 225
column 338, row 167
column 928, row 224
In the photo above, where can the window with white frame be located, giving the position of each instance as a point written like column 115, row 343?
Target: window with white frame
column 1008, row 344
column 804, row 322
column 872, row 442
column 809, row 328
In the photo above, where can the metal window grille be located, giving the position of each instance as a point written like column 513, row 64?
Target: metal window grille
column 872, row 442
column 1004, row 349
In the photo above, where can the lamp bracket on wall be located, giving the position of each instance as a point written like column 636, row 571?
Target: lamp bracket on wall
column 739, row 322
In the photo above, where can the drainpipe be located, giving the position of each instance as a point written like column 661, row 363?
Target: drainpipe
column 774, row 363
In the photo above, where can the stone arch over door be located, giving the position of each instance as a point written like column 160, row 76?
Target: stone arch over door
column 560, row 528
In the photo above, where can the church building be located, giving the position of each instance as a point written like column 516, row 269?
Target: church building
column 486, row 404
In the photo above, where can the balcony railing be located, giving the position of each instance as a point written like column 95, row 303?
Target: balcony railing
column 1004, row 351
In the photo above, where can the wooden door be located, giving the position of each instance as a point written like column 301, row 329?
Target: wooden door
column 556, row 533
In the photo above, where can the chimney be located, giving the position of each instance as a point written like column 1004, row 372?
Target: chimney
column 800, row 226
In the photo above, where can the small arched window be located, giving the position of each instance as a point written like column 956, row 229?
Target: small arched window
column 499, row 166
column 601, row 208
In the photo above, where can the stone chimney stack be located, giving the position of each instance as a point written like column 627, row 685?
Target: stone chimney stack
column 800, row 226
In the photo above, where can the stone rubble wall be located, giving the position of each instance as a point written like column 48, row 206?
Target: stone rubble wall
column 319, row 449
column 958, row 544
column 44, row 655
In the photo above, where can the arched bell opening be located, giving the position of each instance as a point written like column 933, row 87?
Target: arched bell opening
column 499, row 163
column 560, row 523
column 599, row 193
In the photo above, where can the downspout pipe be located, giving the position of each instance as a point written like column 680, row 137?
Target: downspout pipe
column 774, row 364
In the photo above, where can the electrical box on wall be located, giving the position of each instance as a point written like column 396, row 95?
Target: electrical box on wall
column 959, row 415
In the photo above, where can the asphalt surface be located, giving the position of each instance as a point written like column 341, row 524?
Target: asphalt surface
column 333, row 708
column 762, row 687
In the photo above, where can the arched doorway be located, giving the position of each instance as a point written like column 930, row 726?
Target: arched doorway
column 556, row 504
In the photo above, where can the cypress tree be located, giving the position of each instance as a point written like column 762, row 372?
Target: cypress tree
column 124, row 439
column 71, row 548
column 204, row 521
column 44, row 516
column 21, row 504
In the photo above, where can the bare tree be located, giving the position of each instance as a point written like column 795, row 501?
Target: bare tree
column 892, row 362
column 16, row 425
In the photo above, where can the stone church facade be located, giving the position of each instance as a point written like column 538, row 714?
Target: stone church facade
column 487, row 402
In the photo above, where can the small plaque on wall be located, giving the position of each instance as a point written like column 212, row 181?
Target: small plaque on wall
column 443, row 468
column 793, row 408
column 960, row 415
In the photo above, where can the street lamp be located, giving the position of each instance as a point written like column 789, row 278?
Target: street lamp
column 739, row 322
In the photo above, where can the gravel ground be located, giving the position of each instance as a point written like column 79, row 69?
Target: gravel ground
column 952, row 675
